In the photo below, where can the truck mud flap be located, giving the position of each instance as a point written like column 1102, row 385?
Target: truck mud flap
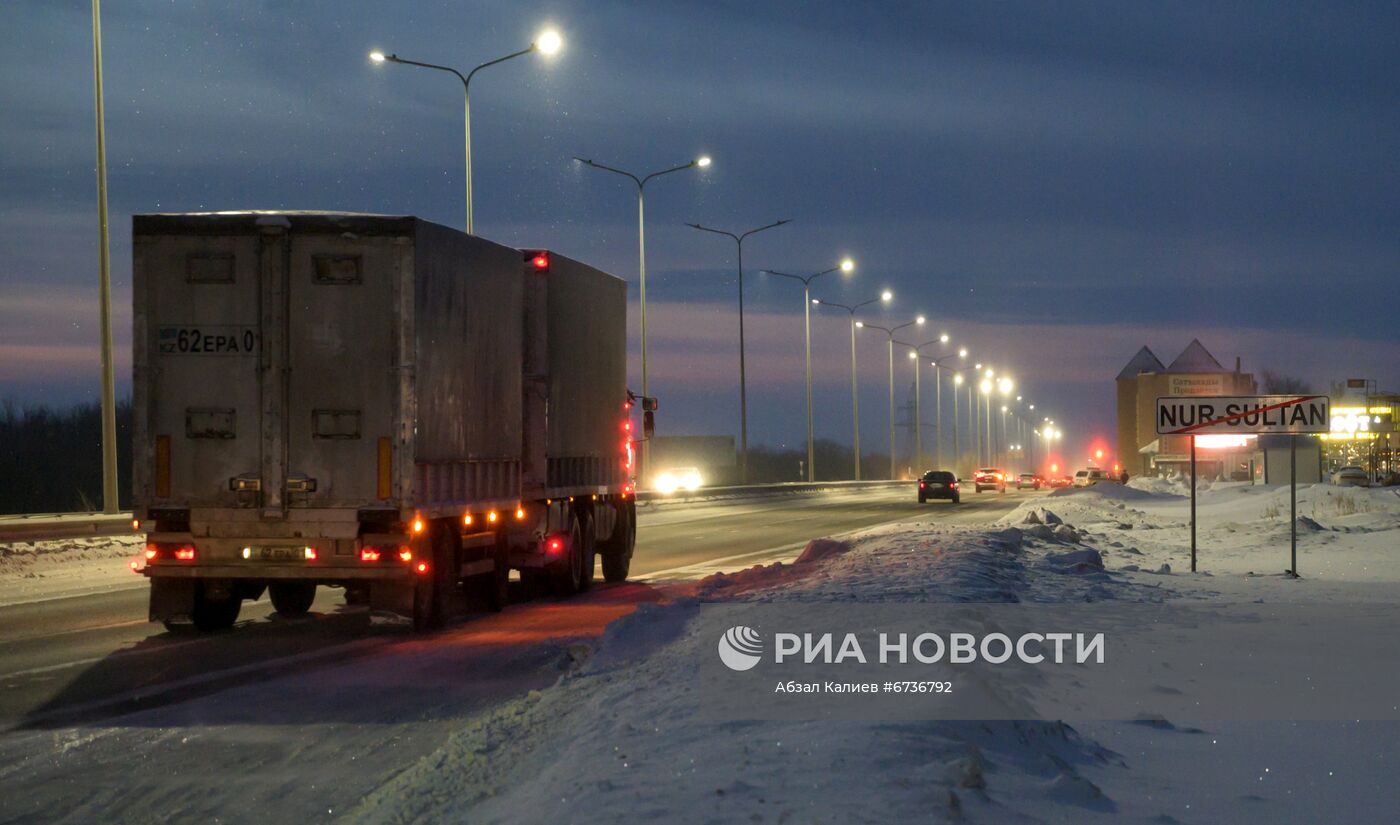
column 172, row 600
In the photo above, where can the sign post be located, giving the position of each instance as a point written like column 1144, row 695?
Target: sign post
column 1291, row 415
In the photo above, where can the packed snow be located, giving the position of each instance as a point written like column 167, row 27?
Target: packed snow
column 54, row 568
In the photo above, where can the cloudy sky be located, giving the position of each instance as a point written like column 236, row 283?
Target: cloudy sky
column 1054, row 184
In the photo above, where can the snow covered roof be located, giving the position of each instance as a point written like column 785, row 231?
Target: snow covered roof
column 1195, row 358
column 1144, row 361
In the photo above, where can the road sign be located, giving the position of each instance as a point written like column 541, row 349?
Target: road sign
column 1213, row 414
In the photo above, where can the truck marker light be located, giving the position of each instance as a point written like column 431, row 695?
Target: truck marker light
column 369, row 554
column 185, row 553
column 405, row 555
column 422, row 567
column 136, row 524
column 151, row 551
column 556, row 545
column 309, row 553
column 247, row 552
column 135, row 566
column 417, row 525
column 467, row 519
column 541, row 260
column 493, row 516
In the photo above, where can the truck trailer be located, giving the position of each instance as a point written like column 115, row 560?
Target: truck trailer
column 376, row 403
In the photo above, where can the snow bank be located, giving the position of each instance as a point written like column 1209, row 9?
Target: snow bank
column 36, row 570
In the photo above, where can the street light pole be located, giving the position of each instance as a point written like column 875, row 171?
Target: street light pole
column 109, row 400
column 846, row 266
column 641, row 182
column 885, row 296
column 743, row 374
column 547, row 43
column 889, row 334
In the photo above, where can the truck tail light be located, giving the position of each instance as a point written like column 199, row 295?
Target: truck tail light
column 369, row 554
column 405, row 555
column 184, row 552
column 309, row 553
column 422, row 567
column 151, row 551
column 554, row 545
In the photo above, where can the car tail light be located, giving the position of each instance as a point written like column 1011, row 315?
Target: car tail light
column 921, row 485
column 953, row 485
column 369, row 554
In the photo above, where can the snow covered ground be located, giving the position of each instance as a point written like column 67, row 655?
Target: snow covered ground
column 619, row 737
column 607, row 728
column 54, row 568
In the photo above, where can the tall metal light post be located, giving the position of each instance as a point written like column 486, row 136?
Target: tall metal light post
column 986, row 388
column 885, row 296
column 957, row 448
column 846, row 266
column 641, row 182
column 938, row 398
column 547, row 43
column 743, row 374
column 889, row 334
column 104, row 275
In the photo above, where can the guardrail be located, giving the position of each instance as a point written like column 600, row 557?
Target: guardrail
column 83, row 525
column 63, row 526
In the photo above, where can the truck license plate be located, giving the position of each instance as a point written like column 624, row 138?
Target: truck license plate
column 278, row 553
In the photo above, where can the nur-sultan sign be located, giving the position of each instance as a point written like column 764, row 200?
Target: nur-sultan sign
column 1241, row 415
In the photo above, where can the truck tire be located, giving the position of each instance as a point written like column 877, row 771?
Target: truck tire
column 212, row 615
column 291, row 598
column 567, row 577
column 617, row 555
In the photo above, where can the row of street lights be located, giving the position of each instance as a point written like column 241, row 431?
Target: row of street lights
column 548, row 43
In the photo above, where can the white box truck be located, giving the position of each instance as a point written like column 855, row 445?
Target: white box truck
column 376, row 403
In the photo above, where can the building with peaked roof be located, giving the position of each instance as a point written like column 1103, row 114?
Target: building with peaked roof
column 1194, row 372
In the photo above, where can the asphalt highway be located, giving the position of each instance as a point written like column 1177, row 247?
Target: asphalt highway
column 96, row 655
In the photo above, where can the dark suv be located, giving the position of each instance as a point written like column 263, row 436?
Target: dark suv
column 939, row 484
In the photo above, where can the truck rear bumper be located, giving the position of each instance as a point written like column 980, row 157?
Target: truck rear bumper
column 267, row 571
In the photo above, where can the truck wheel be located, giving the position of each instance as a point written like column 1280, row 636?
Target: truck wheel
column 567, row 577
column 292, row 598
column 617, row 555
column 212, row 615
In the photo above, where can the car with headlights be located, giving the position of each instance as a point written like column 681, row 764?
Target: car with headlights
column 989, row 478
column 1029, row 481
column 678, row 479
column 939, row 484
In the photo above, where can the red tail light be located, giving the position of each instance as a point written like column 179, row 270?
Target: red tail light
column 151, row 552
column 422, row 567
column 540, row 260
column 405, row 554
column 369, row 554
column 555, row 545
column 954, row 485
column 921, row 485
column 185, row 552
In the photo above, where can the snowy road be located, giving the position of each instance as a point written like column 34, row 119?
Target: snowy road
column 92, row 655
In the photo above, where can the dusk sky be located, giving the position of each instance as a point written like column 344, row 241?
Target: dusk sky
column 1054, row 184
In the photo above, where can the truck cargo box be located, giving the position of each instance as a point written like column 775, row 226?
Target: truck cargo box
column 576, row 353
column 287, row 362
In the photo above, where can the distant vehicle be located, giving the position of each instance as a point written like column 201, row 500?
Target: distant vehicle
column 939, row 484
column 678, row 478
column 989, row 478
column 1351, row 477
column 1061, row 481
column 1090, row 476
column 1029, row 481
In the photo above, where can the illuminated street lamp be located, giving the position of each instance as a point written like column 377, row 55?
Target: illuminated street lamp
column 845, row 267
column 889, row 333
column 885, row 297
column 547, row 43
column 641, row 182
column 743, row 373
